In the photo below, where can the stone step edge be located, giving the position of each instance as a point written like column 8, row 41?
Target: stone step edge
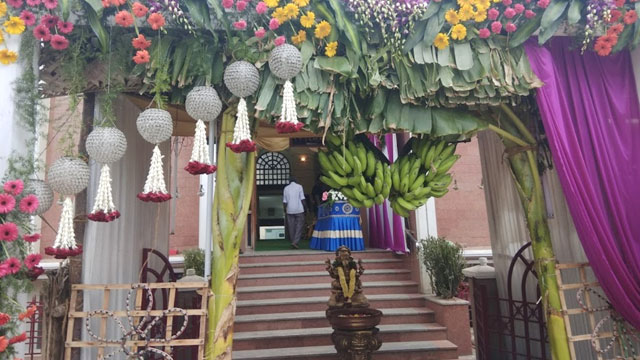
column 310, row 252
column 298, row 352
column 322, row 286
column 286, row 333
column 310, row 315
column 324, row 299
column 318, row 273
column 313, row 262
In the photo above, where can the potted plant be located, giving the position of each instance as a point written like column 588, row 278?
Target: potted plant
column 444, row 262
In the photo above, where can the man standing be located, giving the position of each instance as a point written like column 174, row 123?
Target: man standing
column 295, row 207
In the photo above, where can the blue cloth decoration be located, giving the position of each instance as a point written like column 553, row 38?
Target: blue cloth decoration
column 336, row 226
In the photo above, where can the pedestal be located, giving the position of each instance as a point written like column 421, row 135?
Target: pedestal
column 356, row 345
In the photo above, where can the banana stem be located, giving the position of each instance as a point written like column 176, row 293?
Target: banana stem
column 518, row 123
column 508, row 136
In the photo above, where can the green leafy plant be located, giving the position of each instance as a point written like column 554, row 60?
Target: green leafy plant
column 194, row 259
column 444, row 263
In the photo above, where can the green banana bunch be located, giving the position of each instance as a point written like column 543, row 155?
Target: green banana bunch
column 421, row 174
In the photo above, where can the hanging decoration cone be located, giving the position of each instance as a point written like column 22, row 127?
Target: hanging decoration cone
column 242, row 79
column 155, row 126
column 285, row 62
column 105, row 145
column 67, row 176
column 202, row 104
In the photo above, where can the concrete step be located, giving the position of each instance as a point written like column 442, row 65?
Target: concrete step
column 322, row 289
column 319, row 303
column 314, row 277
column 316, row 319
column 315, row 265
column 410, row 350
column 272, row 339
column 313, row 255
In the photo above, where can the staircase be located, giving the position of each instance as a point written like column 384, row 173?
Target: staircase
column 282, row 301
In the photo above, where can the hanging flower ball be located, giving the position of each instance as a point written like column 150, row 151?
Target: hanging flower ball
column 155, row 125
column 203, row 103
column 106, row 145
column 285, row 61
column 242, row 78
column 68, row 176
column 43, row 192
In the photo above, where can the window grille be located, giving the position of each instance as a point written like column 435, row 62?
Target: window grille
column 272, row 168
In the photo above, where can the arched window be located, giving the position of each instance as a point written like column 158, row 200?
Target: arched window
column 272, row 168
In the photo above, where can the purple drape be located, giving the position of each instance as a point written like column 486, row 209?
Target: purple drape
column 386, row 229
column 591, row 115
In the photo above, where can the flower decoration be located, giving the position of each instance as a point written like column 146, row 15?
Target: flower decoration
column 29, row 204
column 155, row 126
column 285, row 62
column 8, row 232
column 203, row 104
column 242, row 79
column 7, row 203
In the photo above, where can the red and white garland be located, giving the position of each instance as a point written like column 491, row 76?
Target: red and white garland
column 241, row 132
column 288, row 122
column 200, row 162
column 104, row 210
column 65, row 244
column 155, row 126
column 155, row 189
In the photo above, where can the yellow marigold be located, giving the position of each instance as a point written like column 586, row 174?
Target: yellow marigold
column 292, row 11
column 272, row 3
column 14, row 25
column 301, row 3
column 322, row 30
column 480, row 16
column 466, row 13
column 300, row 38
column 331, row 49
column 3, row 8
column 458, row 32
column 8, row 57
column 308, row 19
column 441, row 41
column 452, row 17
column 462, row 3
column 1, row 37
column 280, row 14
column 485, row 4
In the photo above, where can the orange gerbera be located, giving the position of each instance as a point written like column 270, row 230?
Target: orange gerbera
column 602, row 48
column 140, row 42
column 156, row 20
column 124, row 18
column 142, row 57
column 31, row 310
column 139, row 10
column 3, row 343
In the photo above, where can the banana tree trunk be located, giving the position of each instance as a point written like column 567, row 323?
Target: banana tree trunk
column 232, row 200
column 522, row 149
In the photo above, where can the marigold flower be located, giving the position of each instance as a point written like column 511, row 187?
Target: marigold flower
column 299, row 38
column 241, row 5
column 7, row 203
column 496, row 27
column 31, row 238
column 42, row 33
column 261, row 8
column 280, row 40
column 139, row 10
column 529, row 14
column 301, row 3
column 452, row 17
column 3, row 9
column 331, row 49
column 462, row 3
column 323, row 29
column 141, row 57
column 458, row 32
column 1, row 38
column 441, row 41
column 8, row 230
column 14, row 25
column 28, row 18
column 156, row 20
column 65, row 27
column 272, row 3
column 4, row 318
column 484, row 33
column 15, row 3
column 32, row 260
column 307, row 20
column 630, row 17
column 274, row 24
column 466, row 13
column 291, row 10
column 8, row 57
column 140, row 42
column 29, row 204
column 280, row 14
column 480, row 16
column 59, row 42
column 260, row 33
column 240, row 25
column 124, row 18
column 50, row 4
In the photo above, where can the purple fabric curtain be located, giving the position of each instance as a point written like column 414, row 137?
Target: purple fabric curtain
column 386, row 229
column 591, row 115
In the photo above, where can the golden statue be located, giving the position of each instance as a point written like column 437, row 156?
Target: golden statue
column 346, row 287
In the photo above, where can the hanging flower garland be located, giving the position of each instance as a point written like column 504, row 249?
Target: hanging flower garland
column 155, row 126
column 202, row 104
column 285, row 62
column 242, row 79
column 67, row 176
column 105, row 145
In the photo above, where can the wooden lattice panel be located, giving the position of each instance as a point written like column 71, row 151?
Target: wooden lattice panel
column 170, row 336
column 583, row 302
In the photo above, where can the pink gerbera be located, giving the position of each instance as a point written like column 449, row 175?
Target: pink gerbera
column 7, row 203
column 49, row 20
column 50, row 4
column 59, row 42
column 3, row 272
column 31, row 238
column 15, row 3
column 8, row 232
column 65, row 27
column 12, row 265
column 28, row 17
column 29, row 204
column 33, row 2
column 42, row 33
column 13, row 187
column 32, row 261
